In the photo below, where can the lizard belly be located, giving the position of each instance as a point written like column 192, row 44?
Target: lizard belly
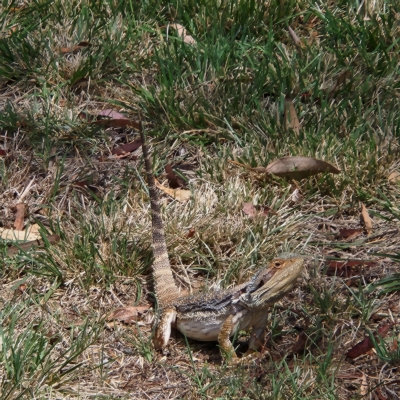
column 209, row 328
column 199, row 329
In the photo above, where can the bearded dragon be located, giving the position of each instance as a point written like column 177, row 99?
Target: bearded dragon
column 216, row 315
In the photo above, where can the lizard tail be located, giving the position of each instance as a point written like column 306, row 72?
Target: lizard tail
column 164, row 284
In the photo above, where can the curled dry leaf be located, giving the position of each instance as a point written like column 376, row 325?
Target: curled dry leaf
column 74, row 49
column 21, row 209
column 394, row 177
column 191, row 233
column 111, row 114
column 367, row 219
column 290, row 116
column 249, row 209
column 178, row 194
column 299, row 167
column 117, row 123
column 182, row 32
column 125, row 149
column 366, row 345
column 173, row 180
column 252, row 211
column 341, row 80
column 349, row 233
column 295, row 38
column 27, row 245
column 364, row 385
column 347, row 268
column 128, row 314
column 300, row 345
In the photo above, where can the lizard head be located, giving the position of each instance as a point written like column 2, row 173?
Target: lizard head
column 273, row 282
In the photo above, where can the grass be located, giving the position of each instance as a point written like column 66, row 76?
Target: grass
column 222, row 98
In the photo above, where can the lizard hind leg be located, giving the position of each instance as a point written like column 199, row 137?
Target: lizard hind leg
column 163, row 330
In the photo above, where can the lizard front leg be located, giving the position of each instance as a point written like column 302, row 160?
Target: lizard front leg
column 163, row 329
column 224, row 339
column 257, row 334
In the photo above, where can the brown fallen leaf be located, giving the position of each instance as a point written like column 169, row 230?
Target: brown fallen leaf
column 349, row 233
column 3, row 153
column 249, row 209
column 125, row 149
column 298, row 167
column 379, row 395
column 290, row 116
column 295, row 38
column 128, row 314
column 367, row 219
column 341, row 80
column 394, row 177
column 347, row 268
column 181, row 195
column 182, row 32
column 366, row 345
column 252, row 211
column 117, row 123
column 21, row 209
column 173, row 180
column 111, row 114
column 300, row 345
column 191, row 233
column 52, row 239
column 74, row 49
column 364, row 385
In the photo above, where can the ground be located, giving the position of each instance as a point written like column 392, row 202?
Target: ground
column 212, row 83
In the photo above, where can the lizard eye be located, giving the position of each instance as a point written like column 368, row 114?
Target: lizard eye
column 277, row 263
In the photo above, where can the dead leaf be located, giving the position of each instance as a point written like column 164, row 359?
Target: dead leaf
column 364, row 385
column 299, row 167
column 249, row 209
column 117, row 123
column 182, row 32
column 21, row 209
column 127, row 148
column 290, row 116
column 295, row 38
column 111, row 114
column 394, row 177
column 300, row 345
column 367, row 219
column 341, row 80
column 252, row 211
column 347, row 268
column 3, row 153
column 366, row 345
column 296, row 196
column 173, row 180
column 181, row 195
column 379, row 394
column 128, row 314
column 27, row 245
column 74, row 49
column 349, row 233
column 191, row 233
